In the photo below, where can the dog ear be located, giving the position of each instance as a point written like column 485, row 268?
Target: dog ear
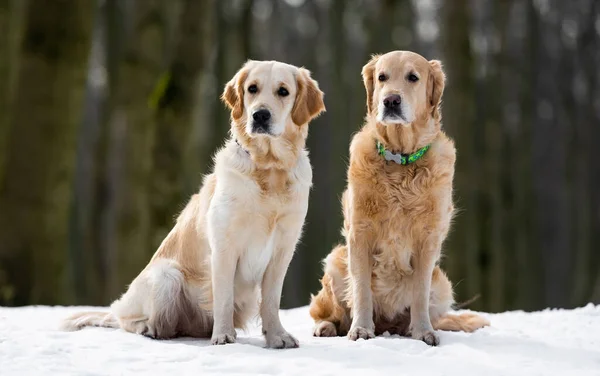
column 368, row 74
column 435, row 86
column 233, row 94
column 309, row 98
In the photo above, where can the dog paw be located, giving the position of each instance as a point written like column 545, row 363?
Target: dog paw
column 325, row 329
column 427, row 336
column 145, row 329
column 149, row 333
column 360, row 332
column 222, row 339
column 281, row 341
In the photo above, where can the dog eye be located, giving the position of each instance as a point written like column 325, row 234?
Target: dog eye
column 252, row 89
column 382, row 77
column 282, row 92
column 412, row 77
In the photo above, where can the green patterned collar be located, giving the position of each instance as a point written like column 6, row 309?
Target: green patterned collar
column 401, row 159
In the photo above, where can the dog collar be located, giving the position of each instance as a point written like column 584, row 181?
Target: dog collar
column 401, row 159
column 241, row 147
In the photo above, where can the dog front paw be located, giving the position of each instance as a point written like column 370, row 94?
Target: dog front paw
column 427, row 336
column 282, row 340
column 360, row 332
column 223, row 338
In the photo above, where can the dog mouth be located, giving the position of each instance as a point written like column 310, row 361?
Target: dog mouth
column 394, row 116
column 261, row 128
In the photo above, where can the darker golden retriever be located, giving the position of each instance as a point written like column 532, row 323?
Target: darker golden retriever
column 397, row 213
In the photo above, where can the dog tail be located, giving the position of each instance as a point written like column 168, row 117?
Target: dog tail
column 80, row 320
column 465, row 322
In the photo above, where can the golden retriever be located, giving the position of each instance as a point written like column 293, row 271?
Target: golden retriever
column 397, row 212
column 236, row 237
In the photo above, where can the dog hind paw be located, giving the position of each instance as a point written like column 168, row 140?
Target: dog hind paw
column 325, row 329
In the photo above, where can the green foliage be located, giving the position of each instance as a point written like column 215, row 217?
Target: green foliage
column 160, row 89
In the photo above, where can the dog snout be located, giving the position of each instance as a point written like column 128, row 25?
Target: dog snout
column 392, row 102
column 261, row 116
column 261, row 121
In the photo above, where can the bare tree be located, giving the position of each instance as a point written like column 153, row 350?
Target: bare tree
column 36, row 191
column 139, row 69
column 83, row 249
column 174, row 112
column 11, row 24
column 5, row 16
column 458, row 118
column 549, row 155
column 589, row 52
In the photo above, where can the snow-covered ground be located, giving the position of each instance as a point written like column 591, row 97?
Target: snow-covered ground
column 552, row 342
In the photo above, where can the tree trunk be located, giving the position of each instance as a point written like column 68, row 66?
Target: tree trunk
column 549, row 157
column 83, row 255
column 593, row 62
column 11, row 24
column 5, row 90
column 491, row 149
column 514, row 62
column 6, row 291
column 36, row 191
column 215, row 127
column 132, row 131
column 11, row 17
column 463, row 262
column 175, row 110
column 585, row 193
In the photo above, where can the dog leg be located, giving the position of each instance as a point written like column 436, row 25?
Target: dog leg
column 223, row 274
column 420, row 322
column 134, row 308
column 441, row 297
column 359, row 264
column 272, row 283
column 329, row 308
column 152, row 306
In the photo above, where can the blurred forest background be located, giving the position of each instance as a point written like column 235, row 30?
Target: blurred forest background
column 109, row 115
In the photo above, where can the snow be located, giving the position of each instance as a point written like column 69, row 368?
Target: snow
column 551, row 342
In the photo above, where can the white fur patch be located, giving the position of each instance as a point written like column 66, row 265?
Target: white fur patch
column 166, row 280
column 254, row 261
column 408, row 115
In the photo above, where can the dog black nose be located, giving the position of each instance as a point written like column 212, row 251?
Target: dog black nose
column 261, row 116
column 393, row 101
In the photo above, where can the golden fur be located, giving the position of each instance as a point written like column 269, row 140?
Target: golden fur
column 396, row 217
column 232, row 244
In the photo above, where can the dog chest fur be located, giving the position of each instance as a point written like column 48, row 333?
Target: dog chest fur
column 255, row 216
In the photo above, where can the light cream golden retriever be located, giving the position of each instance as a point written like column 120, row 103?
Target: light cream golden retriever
column 397, row 212
column 236, row 237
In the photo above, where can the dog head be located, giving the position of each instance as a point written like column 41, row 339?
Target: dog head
column 270, row 97
column 403, row 86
